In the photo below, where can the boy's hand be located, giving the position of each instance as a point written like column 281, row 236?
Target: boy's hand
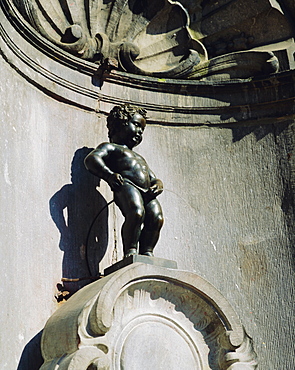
column 115, row 181
column 157, row 188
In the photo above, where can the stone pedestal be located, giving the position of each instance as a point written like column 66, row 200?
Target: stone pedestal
column 162, row 262
column 147, row 317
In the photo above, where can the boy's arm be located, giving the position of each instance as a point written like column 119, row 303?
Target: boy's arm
column 156, row 185
column 95, row 163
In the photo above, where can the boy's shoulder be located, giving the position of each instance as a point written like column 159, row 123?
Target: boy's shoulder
column 104, row 145
column 109, row 147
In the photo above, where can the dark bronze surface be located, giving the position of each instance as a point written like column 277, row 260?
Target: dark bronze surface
column 134, row 185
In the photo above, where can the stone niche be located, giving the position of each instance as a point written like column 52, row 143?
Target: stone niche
column 147, row 317
column 229, row 199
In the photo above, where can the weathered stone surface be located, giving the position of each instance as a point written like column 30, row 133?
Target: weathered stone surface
column 172, row 102
column 147, row 317
column 162, row 38
column 228, row 200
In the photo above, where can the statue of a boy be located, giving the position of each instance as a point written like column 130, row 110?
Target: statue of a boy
column 134, row 185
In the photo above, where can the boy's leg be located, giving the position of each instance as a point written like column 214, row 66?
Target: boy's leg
column 130, row 202
column 153, row 223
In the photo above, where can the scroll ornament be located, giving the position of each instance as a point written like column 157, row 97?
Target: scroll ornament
column 147, row 317
column 151, row 38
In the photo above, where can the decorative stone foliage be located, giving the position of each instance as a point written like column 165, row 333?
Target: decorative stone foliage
column 155, row 38
column 78, row 82
column 147, row 317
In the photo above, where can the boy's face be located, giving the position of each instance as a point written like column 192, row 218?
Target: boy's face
column 131, row 132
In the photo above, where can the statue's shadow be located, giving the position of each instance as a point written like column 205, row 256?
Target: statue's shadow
column 31, row 358
column 83, row 237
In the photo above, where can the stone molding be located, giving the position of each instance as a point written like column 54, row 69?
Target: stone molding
column 168, row 101
column 143, row 316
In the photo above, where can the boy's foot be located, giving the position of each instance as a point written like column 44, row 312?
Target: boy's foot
column 130, row 252
column 148, row 253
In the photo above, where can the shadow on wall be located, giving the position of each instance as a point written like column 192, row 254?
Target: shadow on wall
column 31, row 358
column 260, row 131
column 73, row 209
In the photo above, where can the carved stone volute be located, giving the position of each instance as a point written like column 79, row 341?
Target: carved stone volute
column 164, row 39
column 146, row 317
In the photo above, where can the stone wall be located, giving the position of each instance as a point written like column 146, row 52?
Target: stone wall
column 224, row 152
column 39, row 139
column 228, row 206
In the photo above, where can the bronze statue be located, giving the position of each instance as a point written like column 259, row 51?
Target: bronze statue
column 134, row 185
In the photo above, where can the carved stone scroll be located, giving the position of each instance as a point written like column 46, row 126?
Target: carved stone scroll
column 147, row 317
column 157, row 38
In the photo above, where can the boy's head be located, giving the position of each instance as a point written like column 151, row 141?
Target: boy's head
column 120, row 115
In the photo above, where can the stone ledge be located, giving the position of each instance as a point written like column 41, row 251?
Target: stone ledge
column 161, row 262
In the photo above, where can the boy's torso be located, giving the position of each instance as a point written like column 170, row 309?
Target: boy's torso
column 130, row 165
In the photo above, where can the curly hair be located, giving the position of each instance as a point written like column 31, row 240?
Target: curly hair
column 121, row 114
